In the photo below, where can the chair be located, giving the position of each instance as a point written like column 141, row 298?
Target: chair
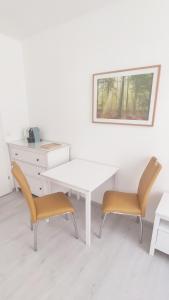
column 130, row 203
column 45, row 206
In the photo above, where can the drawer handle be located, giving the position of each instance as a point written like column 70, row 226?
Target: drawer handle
column 16, row 154
column 37, row 159
column 38, row 173
column 40, row 188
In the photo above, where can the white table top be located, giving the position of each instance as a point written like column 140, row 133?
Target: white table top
column 163, row 207
column 81, row 174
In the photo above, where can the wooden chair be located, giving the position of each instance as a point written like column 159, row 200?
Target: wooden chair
column 45, row 206
column 130, row 203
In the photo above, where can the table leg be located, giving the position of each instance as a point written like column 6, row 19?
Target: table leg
column 88, row 219
column 78, row 195
column 115, row 183
column 49, row 187
column 154, row 235
column 70, row 193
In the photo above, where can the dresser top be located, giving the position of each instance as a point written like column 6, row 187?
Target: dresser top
column 163, row 207
column 38, row 146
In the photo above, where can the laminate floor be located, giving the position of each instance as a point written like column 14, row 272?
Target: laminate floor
column 115, row 267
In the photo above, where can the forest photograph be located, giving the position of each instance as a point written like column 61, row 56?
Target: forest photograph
column 127, row 96
column 124, row 97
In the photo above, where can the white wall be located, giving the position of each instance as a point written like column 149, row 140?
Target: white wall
column 13, row 102
column 59, row 65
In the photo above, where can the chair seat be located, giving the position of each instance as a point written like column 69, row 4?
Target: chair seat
column 52, row 205
column 120, row 202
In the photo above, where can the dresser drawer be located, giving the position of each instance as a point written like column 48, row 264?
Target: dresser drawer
column 28, row 156
column 38, row 187
column 30, row 170
column 162, row 242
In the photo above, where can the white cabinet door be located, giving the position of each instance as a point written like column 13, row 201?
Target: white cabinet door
column 5, row 174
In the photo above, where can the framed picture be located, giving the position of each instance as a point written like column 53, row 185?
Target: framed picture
column 126, row 96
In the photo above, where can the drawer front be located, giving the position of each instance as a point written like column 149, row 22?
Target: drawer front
column 162, row 242
column 30, row 170
column 27, row 156
column 38, row 187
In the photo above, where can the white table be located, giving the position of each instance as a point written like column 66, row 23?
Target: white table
column 160, row 235
column 84, row 177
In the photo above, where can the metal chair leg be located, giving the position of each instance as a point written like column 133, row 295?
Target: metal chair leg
column 66, row 217
column 75, row 226
column 31, row 225
column 141, row 229
column 101, row 226
column 137, row 220
column 35, row 228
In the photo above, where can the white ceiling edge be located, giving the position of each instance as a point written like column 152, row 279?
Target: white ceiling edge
column 20, row 19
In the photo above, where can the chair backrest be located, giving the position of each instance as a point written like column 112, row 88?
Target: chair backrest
column 146, row 181
column 22, row 181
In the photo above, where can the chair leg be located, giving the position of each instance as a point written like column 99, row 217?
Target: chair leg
column 75, row 226
column 35, row 229
column 141, row 229
column 66, row 217
column 137, row 220
column 31, row 225
column 101, row 226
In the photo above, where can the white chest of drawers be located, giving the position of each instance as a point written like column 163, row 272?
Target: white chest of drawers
column 34, row 160
column 160, row 235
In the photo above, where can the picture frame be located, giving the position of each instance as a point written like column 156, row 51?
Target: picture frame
column 126, row 96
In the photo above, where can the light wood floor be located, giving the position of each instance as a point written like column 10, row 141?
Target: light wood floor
column 115, row 267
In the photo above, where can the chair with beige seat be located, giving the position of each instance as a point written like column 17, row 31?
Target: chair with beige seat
column 130, row 203
column 45, row 206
